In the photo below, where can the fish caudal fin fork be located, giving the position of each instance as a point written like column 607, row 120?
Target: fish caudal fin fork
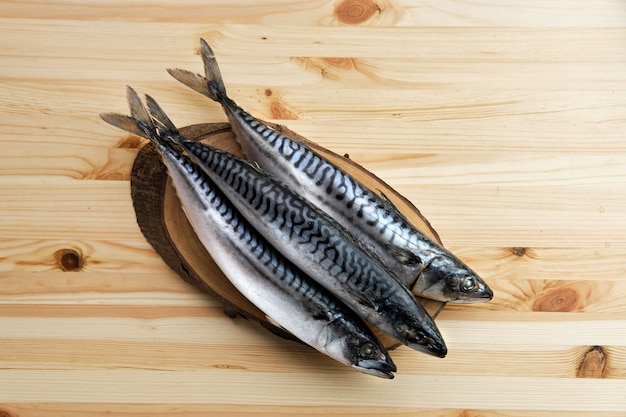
column 160, row 118
column 138, row 123
column 211, row 85
column 142, row 122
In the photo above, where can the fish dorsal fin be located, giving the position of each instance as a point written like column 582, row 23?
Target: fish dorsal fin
column 388, row 204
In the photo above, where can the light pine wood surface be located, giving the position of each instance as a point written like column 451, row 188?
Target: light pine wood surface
column 504, row 122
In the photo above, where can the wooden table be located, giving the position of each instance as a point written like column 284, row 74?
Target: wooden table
column 504, row 123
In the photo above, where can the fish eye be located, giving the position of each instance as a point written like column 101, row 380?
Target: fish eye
column 368, row 350
column 468, row 284
column 401, row 327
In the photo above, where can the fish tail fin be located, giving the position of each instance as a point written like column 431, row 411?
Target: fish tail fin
column 161, row 120
column 194, row 81
column 123, row 122
column 211, row 69
column 138, row 123
column 211, row 85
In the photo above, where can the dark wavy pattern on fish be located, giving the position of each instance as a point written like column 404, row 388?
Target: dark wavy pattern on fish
column 340, row 188
column 307, row 227
column 315, row 299
column 253, row 265
column 420, row 263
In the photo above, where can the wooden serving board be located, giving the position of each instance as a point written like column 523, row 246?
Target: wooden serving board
column 163, row 222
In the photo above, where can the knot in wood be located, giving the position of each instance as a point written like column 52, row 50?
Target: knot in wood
column 68, row 259
column 563, row 299
column 130, row 142
column 593, row 364
column 518, row 251
column 280, row 111
column 338, row 62
column 353, row 12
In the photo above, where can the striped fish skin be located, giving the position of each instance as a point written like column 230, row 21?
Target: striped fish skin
column 315, row 243
column 423, row 265
column 263, row 275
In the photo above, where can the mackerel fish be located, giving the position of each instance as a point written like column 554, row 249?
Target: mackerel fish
column 263, row 275
column 314, row 242
column 424, row 266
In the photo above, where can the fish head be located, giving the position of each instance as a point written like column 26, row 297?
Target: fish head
column 417, row 332
column 353, row 344
column 446, row 278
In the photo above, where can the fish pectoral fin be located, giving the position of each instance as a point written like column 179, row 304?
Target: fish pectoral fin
column 367, row 298
column 404, row 256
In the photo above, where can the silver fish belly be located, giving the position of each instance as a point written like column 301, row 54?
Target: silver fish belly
column 263, row 275
column 423, row 265
column 315, row 243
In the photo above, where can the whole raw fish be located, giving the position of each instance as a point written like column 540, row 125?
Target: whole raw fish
column 427, row 268
column 314, row 242
column 264, row 276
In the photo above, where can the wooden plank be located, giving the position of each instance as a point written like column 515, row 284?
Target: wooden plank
column 35, row 209
column 168, row 336
column 427, row 139
column 234, row 43
column 536, row 294
column 92, row 256
column 83, row 409
column 324, row 12
column 50, row 353
column 523, row 292
column 475, row 54
column 158, row 287
column 139, row 386
column 486, row 331
column 590, row 264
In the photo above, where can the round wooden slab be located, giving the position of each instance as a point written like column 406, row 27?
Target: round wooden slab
column 163, row 222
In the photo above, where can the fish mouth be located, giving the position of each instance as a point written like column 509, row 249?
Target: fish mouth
column 487, row 294
column 377, row 368
column 431, row 347
column 439, row 351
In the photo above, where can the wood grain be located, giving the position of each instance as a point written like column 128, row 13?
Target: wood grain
column 324, row 12
column 143, row 410
column 501, row 121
